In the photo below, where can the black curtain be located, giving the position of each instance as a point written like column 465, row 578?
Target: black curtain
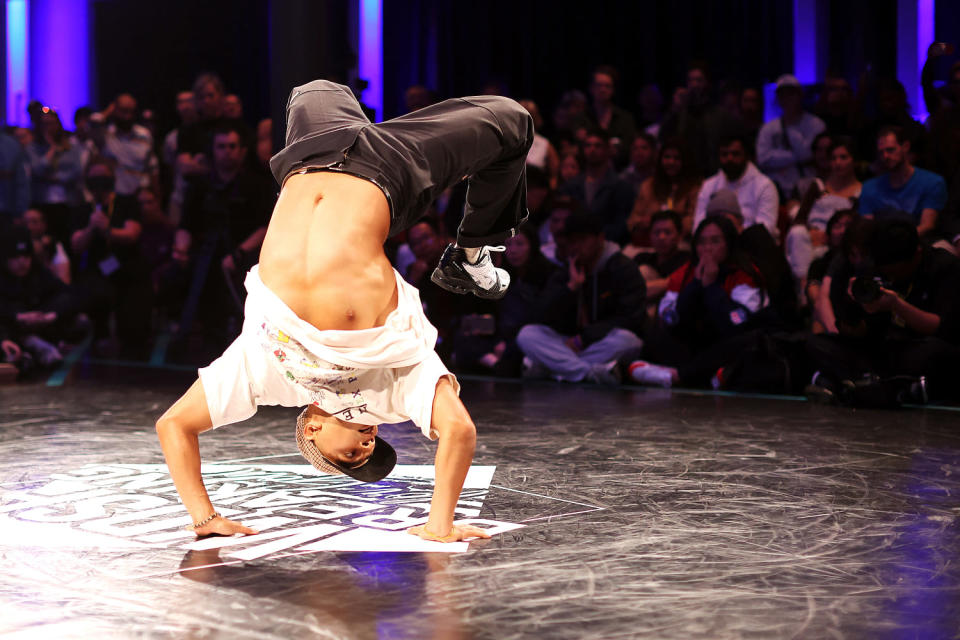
column 540, row 48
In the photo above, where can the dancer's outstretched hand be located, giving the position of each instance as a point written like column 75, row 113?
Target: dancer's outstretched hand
column 223, row 527
column 457, row 533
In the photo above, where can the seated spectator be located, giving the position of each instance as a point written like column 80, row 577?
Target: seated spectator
column 673, row 187
column 914, row 316
column 488, row 341
column 814, row 281
column 571, row 168
column 889, row 103
column 542, row 154
column 657, row 265
column 756, row 193
column 57, row 175
column 14, row 181
column 37, row 310
column 47, row 250
column 601, row 189
column 616, row 121
column 709, row 302
column 643, row 160
column 592, row 313
column 232, row 107
column 109, row 272
column 903, row 187
column 833, row 309
column 171, row 280
column 807, row 238
column 553, row 242
column 784, row 144
column 751, row 114
column 176, row 184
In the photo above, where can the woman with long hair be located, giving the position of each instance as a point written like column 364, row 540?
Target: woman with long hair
column 710, row 302
column 674, row 186
column 807, row 238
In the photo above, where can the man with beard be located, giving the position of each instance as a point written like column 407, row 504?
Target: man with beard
column 756, row 193
column 918, row 192
column 130, row 147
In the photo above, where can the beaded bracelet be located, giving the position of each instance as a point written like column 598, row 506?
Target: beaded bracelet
column 197, row 525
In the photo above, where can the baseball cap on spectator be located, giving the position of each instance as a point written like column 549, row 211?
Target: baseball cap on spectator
column 17, row 243
column 788, row 81
column 583, row 223
column 723, row 202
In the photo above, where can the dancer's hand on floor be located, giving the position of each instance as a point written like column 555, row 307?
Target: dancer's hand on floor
column 457, row 533
column 223, row 527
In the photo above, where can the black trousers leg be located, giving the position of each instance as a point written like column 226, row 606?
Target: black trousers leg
column 485, row 138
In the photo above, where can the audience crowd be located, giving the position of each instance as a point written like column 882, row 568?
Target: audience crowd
column 685, row 242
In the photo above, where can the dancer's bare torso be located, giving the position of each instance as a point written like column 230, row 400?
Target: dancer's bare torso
column 323, row 252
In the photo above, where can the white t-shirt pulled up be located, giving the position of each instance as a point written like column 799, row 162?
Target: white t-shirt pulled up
column 385, row 374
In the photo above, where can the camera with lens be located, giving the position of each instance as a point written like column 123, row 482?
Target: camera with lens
column 867, row 289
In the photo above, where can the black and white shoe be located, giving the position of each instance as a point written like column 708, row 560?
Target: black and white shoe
column 457, row 274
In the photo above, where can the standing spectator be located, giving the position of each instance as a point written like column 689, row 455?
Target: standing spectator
column 130, row 147
column 23, row 135
column 187, row 111
column 807, row 238
column 600, row 189
column 195, row 140
column 593, row 311
column 643, row 160
column 542, row 154
column 650, row 101
column 903, row 187
column 698, row 121
column 56, row 170
column 417, row 97
column 615, row 121
column 751, row 113
column 226, row 215
column 892, row 110
column 673, row 187
column 47, row 250
column 784, row 145
column 14, row 181
column 83, row 135
column 156, row 238
column 756, row 193
column 836, row 106
column 944, row 107
column 232, row 107
column 571, row 167
column 264, row 143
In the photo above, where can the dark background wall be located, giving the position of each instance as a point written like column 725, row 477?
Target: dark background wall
column 537, row 48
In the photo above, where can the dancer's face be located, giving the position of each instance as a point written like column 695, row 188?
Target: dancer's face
column 346, row 443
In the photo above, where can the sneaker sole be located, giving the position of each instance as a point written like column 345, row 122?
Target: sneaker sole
column 437, row 278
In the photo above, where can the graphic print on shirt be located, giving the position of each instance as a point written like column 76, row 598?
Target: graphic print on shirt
column 333, row 388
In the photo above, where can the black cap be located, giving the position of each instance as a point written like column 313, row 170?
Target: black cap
column 377, row 467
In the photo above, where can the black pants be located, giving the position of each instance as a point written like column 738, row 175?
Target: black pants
column 415, row 157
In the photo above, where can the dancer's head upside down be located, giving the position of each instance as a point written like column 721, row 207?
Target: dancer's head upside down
column 334, row 446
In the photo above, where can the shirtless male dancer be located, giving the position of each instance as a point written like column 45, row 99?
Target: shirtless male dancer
column 329, row 324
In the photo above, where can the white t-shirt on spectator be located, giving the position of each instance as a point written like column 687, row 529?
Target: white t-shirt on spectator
column 756, row 193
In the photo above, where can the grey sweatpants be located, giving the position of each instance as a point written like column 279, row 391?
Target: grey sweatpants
column 547, row 348
column 415, row 157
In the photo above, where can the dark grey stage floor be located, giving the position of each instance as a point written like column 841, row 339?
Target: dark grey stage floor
column 644, row 514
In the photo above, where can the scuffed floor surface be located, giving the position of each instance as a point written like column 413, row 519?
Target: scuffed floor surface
column 645, row 515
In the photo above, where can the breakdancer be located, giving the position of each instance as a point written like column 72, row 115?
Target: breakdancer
column 329, row 324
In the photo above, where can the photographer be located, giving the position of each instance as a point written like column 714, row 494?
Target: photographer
column 907, row 292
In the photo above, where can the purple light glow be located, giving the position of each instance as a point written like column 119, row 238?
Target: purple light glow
column 60, row 55
column 18, row 64
column 371, row 53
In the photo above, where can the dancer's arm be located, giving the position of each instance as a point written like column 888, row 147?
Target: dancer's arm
column 178, row 430
column 454, row 455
